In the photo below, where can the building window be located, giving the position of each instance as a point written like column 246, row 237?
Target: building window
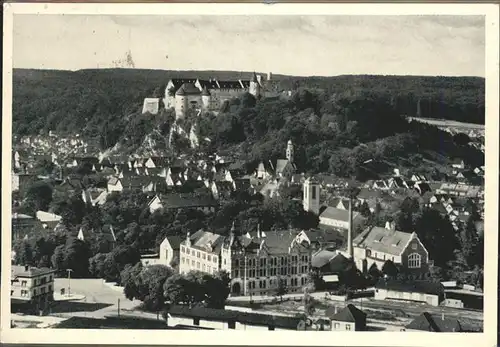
column 209, row 258
column 196, row 321
column 215, row 259
column 314, row 192
column 34, row 292
column 414, row 261
column 198, row 265
column 197, row 254
column 192, row 263
column 187, row 251
column 182, row 249
column 231, row 324
column 337, row 325
column 23, row 283
column 183, row 260
column 414, row 246
column 203, row 256
column 347, row 327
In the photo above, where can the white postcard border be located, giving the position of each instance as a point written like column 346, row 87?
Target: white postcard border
column 75, row 336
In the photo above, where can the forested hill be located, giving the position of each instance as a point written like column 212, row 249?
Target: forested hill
column 88, row 99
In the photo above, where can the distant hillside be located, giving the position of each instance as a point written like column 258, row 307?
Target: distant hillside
column 94, row 101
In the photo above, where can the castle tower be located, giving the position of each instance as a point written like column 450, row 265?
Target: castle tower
column 289, row 151
column 254, row 88
column 205, row 99
column 310, row 200
column 180, row 103
column 169, row 100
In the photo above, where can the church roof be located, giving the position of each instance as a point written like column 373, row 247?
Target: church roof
column 383, row 240
column 348, row 314
column 281, row 164
column 188, row 89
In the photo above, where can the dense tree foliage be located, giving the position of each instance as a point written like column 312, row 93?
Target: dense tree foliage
column 99, row 102
column 197, row 287
column 146, row 284
column 338, row 133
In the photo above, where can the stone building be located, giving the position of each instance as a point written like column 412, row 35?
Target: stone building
column 209, row 95
column 256, row 263
column 32, row 289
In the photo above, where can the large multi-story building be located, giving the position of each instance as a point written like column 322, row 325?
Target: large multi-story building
column 256, row 263
column 32, row 288
column 209, row 95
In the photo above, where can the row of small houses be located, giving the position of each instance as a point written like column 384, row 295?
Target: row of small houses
column 179, row 317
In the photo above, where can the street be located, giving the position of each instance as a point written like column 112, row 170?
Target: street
column 100, row 299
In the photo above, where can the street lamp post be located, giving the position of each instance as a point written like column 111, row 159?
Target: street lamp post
column 69, row 281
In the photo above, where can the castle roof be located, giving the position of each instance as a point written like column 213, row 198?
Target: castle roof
column 205, row 91
column 188, row 89
column 254, row 78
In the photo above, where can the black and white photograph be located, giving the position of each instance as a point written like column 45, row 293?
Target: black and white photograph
column 256, row 172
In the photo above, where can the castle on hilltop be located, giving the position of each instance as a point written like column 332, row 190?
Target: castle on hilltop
column 209, row 95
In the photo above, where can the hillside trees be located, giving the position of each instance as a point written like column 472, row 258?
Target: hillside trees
column 38, row 197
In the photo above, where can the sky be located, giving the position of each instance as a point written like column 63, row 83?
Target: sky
column 292, row 45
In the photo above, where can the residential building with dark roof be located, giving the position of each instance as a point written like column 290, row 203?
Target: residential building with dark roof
column 434, row 323
column 205, row 203
column 350, row 318
column 256, row 261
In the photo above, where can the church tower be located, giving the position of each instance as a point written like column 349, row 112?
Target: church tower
column 289, row 151
column 254, row 88
column 311, row 195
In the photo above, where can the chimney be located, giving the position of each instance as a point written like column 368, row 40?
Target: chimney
column 442, row 315
column 349, row 231
column 269, row 76
column 259, row 79
column 259, row 235
column 188, row 239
